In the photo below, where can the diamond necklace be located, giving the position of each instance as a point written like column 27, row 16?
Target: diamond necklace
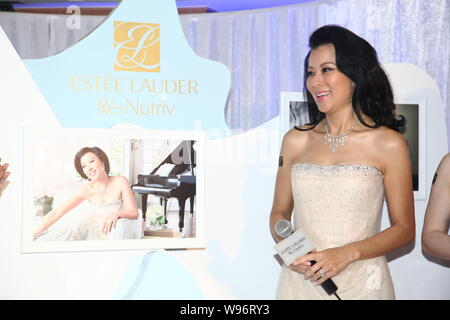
column 336, row 141
column 101, row 191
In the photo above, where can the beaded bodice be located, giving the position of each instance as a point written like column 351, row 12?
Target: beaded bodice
column 349, row 196
column 336, row 205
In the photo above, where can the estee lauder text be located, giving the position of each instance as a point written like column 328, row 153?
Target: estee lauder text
column 294, row 247
column 130, row 85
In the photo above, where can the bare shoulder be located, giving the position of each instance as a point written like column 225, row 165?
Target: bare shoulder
column 294, row 142
column 297, row 135
column 120, row 180
column 389, row 141
column 389, row 148
column 444, row 166
column 445, row 162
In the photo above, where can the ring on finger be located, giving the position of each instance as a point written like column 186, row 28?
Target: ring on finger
column 322, row 273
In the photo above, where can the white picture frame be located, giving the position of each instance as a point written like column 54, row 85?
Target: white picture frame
column 287, row 100
column 418, row 157
column 33, row 136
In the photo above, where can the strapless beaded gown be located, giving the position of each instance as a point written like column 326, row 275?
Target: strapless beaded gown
column 84, row 224
column 336, row 205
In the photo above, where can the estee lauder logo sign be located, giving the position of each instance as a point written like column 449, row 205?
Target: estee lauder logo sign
column 137, row 46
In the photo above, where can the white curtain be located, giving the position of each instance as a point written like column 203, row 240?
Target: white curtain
column 42, row 35
column 264, row 49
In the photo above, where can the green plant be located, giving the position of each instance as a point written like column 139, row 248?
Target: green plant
column 45, row 202
column 155, row 217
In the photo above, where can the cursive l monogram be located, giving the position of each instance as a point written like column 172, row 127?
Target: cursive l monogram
column 137, row 46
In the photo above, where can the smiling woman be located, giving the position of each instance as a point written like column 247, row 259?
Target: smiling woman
column 110, row 198
column 336, row 171
column 327, row 85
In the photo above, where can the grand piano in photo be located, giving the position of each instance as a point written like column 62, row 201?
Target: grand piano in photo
column 179, row 182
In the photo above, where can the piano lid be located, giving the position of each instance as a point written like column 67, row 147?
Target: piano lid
column 165, row 169
column 182, row 157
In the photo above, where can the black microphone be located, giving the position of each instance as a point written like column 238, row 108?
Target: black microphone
column 283, row 229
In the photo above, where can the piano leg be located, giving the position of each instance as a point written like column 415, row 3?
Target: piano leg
column 181, row 203
column 144, row 204
column 191, row 202
column 165, row 208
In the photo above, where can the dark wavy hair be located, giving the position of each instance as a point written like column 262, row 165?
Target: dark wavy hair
column 95, row 150
column 358, row 60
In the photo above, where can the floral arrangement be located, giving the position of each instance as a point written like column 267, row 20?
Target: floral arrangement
column 155, row 217
column 44, row 205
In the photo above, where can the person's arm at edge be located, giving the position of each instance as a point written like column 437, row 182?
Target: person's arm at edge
column 435, row 240
column 4, row 174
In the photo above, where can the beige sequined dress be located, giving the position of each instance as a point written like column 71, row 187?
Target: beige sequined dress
column 336, row 205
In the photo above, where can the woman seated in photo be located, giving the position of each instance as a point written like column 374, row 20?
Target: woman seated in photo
column 109, row 198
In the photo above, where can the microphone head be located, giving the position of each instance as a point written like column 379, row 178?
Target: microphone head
column 283, row 228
